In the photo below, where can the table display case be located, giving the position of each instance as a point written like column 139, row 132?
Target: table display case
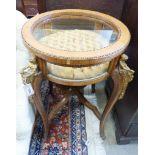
column 75, row 48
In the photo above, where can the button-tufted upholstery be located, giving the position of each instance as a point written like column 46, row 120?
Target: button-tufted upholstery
column 74, row 41
column 75, row 73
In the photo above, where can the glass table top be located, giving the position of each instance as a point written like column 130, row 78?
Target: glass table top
column 75, row 35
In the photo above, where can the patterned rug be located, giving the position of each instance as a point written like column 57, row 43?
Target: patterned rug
column 67, row 134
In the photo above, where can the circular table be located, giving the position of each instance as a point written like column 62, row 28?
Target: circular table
column 75, row 48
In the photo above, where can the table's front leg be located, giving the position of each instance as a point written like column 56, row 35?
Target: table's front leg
column 121, row 76
column 38, row 102
column 31, row 75
column 114, row 97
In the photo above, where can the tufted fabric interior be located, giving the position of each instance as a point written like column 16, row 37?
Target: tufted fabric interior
column 74, row 41
column 75, row 73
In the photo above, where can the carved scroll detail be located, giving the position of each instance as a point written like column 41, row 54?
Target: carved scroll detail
column 29, row 72
column 127, row 74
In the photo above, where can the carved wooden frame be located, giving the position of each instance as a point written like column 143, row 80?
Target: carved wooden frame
column 75, row 58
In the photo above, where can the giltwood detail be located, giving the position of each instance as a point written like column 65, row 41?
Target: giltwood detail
column 29, row 72
column 127, row 74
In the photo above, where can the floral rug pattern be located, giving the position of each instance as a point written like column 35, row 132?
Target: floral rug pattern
column 67, row 134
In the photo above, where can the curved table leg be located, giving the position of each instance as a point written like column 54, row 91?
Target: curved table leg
column 38, row 102
column 58, row 106
column 117, row 79
column 84, row 101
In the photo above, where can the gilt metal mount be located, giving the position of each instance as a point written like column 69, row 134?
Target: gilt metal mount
column 127, row 74
column 30, row 71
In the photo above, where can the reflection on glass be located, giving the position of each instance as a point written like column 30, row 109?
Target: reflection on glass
column 75, row 34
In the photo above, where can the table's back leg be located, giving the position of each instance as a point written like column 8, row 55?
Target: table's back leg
column 51, row 87
column 84, row 101
column 113, row 99
column 38, row 102
column 93, row 88
column 58, row 106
